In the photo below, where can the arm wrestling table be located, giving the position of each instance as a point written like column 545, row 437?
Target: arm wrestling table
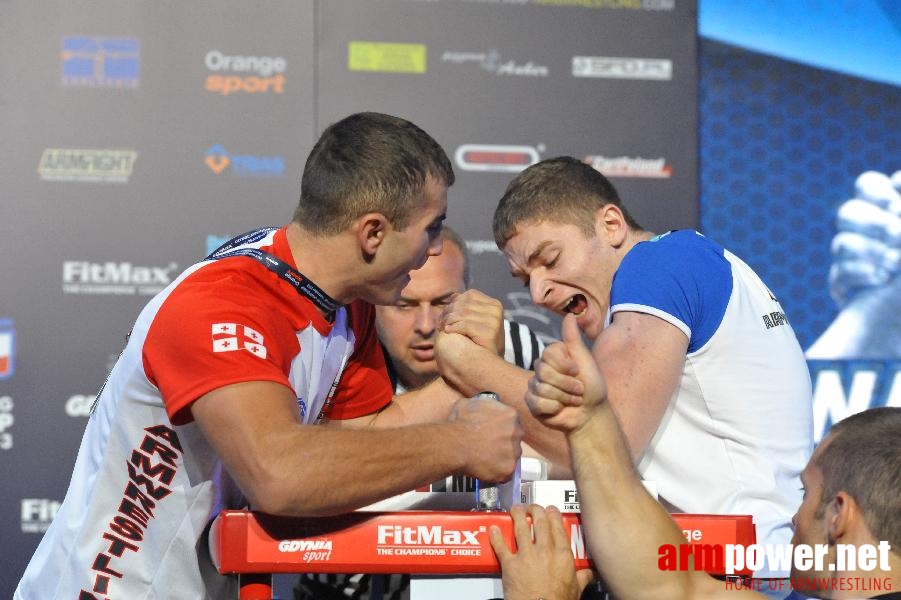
column 451, row 543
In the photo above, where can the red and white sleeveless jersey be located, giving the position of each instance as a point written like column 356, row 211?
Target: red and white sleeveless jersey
column 146, row 482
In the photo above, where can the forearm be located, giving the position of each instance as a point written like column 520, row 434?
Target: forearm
column 867, row 327
column 623, row 524
column 325, row 471
column 486, row 371
column 431, row 403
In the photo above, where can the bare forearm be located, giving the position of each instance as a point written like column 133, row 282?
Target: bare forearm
column 487, row 371
column 624, row 525
column 329, row 471
column 431, row 403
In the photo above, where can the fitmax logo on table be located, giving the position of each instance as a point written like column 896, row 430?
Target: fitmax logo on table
column 220, row 161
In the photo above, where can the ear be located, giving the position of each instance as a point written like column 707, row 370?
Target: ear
column 370, row 230
column 841, row 516
column 610, row 225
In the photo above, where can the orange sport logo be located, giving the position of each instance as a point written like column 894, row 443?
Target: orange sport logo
column 237, row 74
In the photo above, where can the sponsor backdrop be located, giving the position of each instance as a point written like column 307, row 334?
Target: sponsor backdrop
column 138, row 136
column 797, row 100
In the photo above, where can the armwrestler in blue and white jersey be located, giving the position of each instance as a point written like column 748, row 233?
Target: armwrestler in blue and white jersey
column 703, row 370
column 739, row 425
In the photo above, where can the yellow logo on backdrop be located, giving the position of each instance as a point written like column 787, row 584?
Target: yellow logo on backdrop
column 74, row 164
column 386, row 58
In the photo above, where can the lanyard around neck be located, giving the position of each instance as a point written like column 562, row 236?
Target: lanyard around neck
column 303, row 286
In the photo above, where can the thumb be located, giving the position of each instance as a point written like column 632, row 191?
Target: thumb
column 588, row 372
column 584, row 577
column 572, row 337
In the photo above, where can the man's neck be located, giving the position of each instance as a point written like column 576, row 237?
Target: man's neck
column 325, row 260
column 871, row 584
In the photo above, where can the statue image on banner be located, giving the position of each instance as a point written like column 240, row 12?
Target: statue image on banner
column 863, row 278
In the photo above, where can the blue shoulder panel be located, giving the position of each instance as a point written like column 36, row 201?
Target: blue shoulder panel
column 682, row 274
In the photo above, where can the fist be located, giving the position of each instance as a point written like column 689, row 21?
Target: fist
column 866, row 250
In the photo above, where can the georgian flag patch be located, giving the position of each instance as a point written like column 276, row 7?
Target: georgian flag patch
column 228, row 337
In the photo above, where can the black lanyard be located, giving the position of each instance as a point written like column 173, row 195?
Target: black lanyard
column 304, row 286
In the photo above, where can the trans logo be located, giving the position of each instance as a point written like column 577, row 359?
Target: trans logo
column 220, row 161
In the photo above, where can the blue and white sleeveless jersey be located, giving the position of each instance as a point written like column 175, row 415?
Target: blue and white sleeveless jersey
column 738, row 430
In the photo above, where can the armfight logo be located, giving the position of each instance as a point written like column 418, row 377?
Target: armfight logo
column 88, row 166
column 89, row 61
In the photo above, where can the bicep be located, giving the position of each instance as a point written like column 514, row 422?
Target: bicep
column 249, row 425
column 641, row 357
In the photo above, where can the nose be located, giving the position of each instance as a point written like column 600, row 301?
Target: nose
column 436, row 246
column 426, row 320
column 539, row 288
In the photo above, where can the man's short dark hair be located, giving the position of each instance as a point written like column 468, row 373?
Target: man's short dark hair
column 561, row 190
column 862, row 456
column 368, row 162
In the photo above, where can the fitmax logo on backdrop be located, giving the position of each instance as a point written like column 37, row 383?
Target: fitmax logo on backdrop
column 239, row 74
column 220, row 161
column 90, row 61
column 115, row 278
column 37, row 514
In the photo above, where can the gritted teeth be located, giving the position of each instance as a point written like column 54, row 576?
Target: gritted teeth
column 576, row 305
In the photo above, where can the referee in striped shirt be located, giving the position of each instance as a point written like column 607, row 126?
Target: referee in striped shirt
column 408, row 331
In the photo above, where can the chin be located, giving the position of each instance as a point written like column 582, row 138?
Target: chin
column 592, row 330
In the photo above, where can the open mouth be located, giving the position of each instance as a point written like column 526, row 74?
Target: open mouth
column 577, row 305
